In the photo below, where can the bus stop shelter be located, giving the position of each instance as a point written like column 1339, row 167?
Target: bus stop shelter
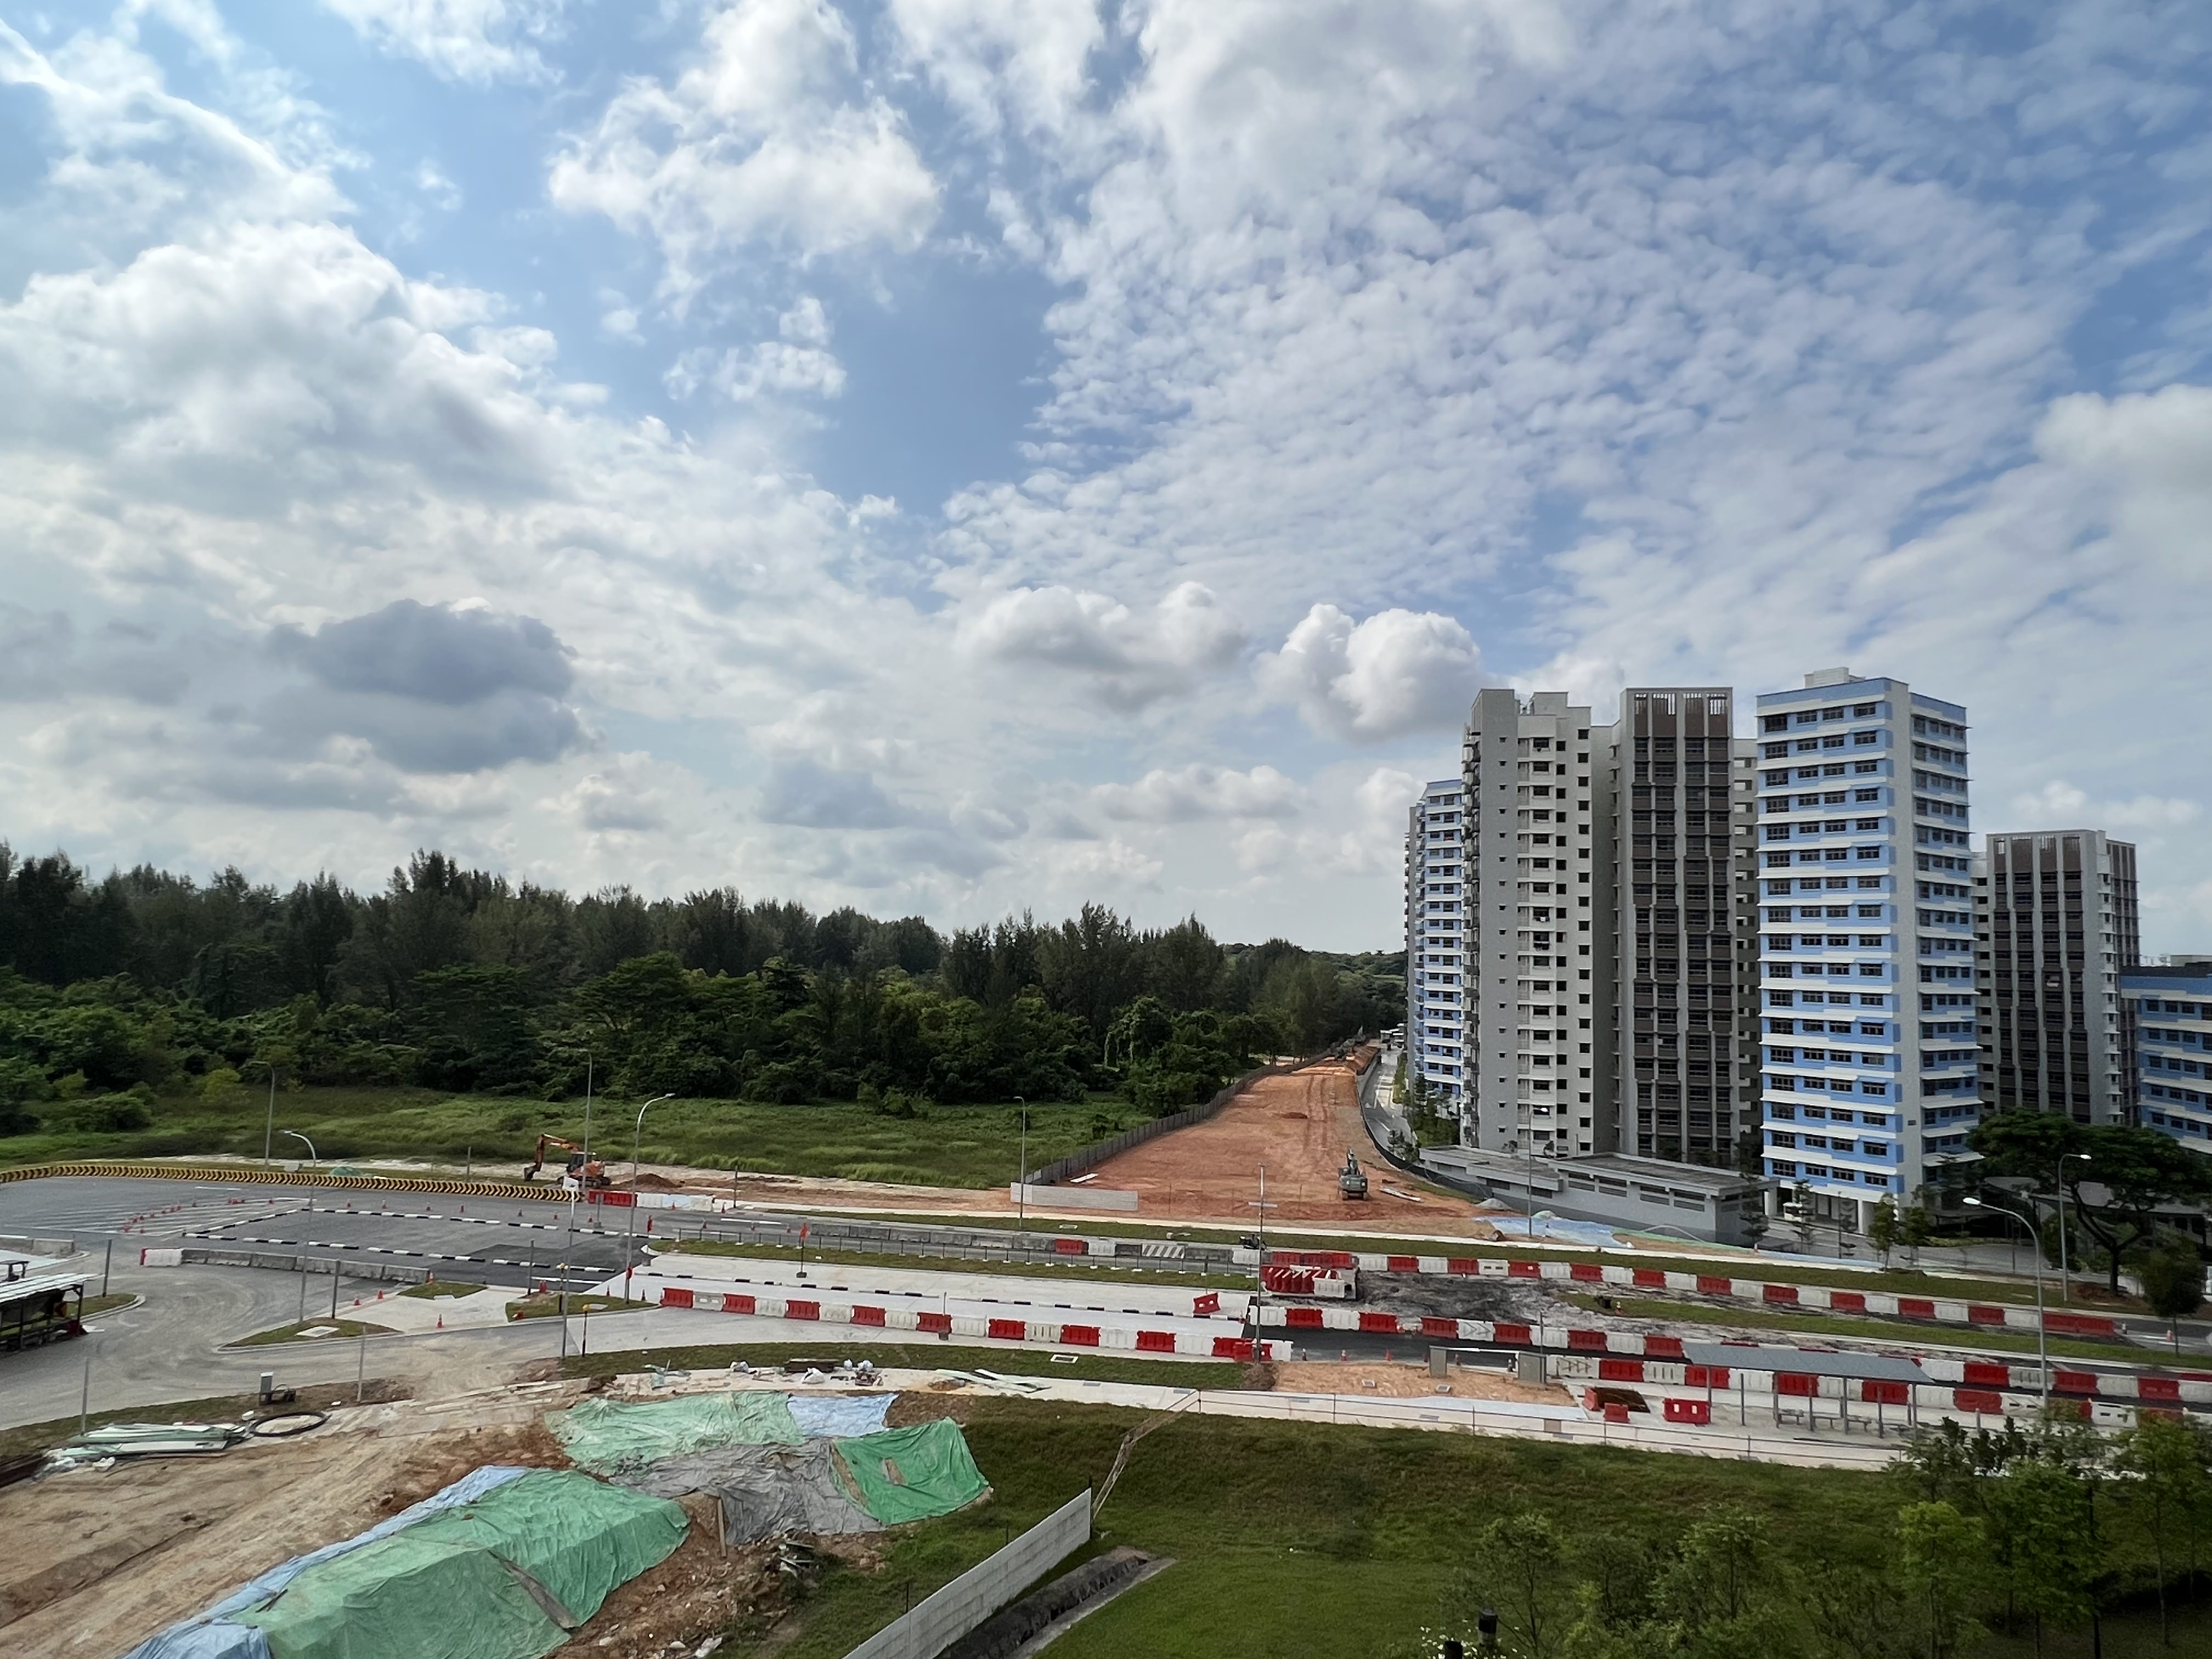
column 1875, row 1382
column 34, row 1311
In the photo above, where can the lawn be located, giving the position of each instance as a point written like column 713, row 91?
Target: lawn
column 495, row 1135
column 1074, row 1268
column 1326, row 1541
column 918, row 1356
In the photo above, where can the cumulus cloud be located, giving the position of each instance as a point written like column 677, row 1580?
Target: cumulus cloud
column 476, row 40
column 429, row 687
column 769, row 136
column 1188, row 793
column 999, row 59
column 441, row 653
column 1130, row 657
column 1396, row 673
column 814, row 796
column 2059, row 805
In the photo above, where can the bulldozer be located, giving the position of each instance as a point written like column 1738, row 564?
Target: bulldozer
column 1351, row 1180
column 583, row 1171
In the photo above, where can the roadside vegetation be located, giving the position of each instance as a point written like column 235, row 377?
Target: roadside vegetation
column 146, row 1014
column 1128, row 1272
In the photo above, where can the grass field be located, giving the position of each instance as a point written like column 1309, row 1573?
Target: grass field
column 1074, row 1268
column 918, row 1356
column 1292, row 1542
column 333, row 1330
column 952, row 1146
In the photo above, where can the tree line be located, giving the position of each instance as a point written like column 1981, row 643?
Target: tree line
column 2027, row 1531
column 118, row 991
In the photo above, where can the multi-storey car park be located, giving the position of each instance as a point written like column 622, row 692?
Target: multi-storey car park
column 2171, row 1007
column 2055, row 926
column 1869, row 1084
column 1436, row 966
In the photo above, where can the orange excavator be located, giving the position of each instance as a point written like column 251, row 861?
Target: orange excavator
column 588, row 1172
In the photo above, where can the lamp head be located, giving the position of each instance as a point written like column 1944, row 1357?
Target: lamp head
column 1976, row 1202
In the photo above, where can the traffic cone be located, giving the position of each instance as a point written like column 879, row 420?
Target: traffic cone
column 441, row 1321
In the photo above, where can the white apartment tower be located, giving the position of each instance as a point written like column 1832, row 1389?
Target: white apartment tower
column 1869, row 1074
column 1538, row 857
column 1436, row 971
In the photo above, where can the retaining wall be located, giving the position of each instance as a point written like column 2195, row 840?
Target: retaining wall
column 942, row 1619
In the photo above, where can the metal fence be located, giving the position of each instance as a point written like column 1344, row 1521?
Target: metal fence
column 940, row 1619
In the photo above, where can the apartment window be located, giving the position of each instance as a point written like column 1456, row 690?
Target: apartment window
column 1870, row 881
column 1866, row 740
column 1866, row 794
column 1869, row 852
column 1867, row 823
column 1774, row 750
column 1863, row 767
column 1863, row 711
column 1774, row 722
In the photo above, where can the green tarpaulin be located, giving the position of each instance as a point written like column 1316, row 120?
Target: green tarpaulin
column 498, row 1578
column 911, row 1475
column 606, row 1436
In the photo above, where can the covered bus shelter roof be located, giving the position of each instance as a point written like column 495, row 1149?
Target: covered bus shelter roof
column 22, row 1290
column 1803, row 1362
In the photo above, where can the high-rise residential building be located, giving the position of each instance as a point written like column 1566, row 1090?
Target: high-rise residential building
column 1869, row 1079
column 1539, row 861
column 1436, row 971
column 2170, row 1009
column 1683, row 1003
column 2055, row 925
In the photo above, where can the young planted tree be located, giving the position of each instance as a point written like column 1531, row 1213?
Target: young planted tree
column 2052, row 1553
column 2173, row 1274
column 1517, row 1570
column 2163, row 1461
column 1942, row 1558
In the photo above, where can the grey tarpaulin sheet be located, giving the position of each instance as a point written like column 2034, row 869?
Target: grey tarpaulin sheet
column 212, row 1636
column 764, row 1489
column 839, row 1416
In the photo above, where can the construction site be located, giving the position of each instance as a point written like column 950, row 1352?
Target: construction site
column 668, row 1412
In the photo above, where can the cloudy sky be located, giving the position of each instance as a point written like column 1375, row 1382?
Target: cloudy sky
column 960, row 454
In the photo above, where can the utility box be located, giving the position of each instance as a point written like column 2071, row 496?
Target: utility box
column 1439, row 1362
column 1533, row 1368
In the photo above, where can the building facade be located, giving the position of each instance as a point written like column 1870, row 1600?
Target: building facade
column 1683, row 1002
column 2170, row 1007
column 1870, row 1068
column 1539, row 861
column 1436, row 972
column 2055, row 926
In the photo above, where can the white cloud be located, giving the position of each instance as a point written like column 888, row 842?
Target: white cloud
column 1189, row 793
column 476, row 40
column 1396, row 673
column 1131, row 658
column 992, row 58
column 767, row 137
column 2059, row 805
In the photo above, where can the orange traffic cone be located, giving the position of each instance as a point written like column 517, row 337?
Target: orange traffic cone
column 441, row 1321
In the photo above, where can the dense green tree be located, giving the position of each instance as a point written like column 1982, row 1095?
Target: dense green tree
column 2133, row 1173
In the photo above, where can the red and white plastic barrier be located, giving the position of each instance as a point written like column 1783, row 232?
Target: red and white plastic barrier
column 1104, row 1333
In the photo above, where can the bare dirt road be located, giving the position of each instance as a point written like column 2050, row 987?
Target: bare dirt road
column 1298, row 1126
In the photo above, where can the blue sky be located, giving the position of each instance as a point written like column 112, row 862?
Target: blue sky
column 954, row 454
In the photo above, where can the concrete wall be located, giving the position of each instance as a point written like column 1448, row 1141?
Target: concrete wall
column 1073, row 1198
column 941, row 1620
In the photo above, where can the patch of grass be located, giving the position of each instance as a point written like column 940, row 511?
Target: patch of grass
column 576, row 1302
column 220, row 1408
column 918, row 1356
column 431, row 1288
column 1293, row 1540
column 1074, row 1268
column 296, row 1333
column 1867, row 1325
column 95, row 1304
column 972, row 1146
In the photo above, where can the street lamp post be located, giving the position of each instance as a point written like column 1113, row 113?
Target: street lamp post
column 1022, row 1178
column 2058, row 1192
column 2042, row 1337
column 296, row 1135
column 630, row 1238
column 269, row 1126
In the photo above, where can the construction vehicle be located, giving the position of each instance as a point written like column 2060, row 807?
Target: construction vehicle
column 583, row 1171
column 1351, row 1180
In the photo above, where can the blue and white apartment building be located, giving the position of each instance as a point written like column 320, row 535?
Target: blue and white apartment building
column 1869, row 1058
column 2172, row 1010
column 1435, row 943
